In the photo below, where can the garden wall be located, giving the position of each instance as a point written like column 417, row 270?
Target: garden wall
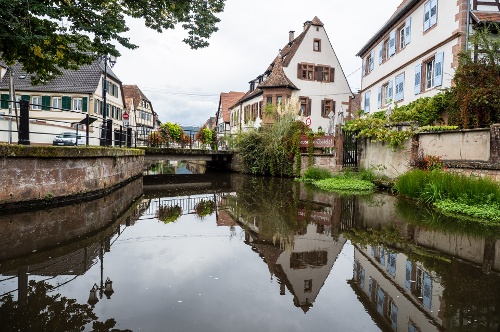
column 471, row 152
column 38, row 174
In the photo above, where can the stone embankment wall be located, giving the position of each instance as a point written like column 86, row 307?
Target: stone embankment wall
column 36, row 174
column 472, row 152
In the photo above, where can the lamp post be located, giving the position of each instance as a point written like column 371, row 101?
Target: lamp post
column 112, row 61
column 106, row 287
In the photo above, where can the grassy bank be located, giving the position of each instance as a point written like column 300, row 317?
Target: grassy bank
column 344, row 183
column 475, row 199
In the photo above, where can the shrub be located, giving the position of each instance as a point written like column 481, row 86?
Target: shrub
column 316, row 173
column 204, row 135
column 169, row 213
column 171, row 132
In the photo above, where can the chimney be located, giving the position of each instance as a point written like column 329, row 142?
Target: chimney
column 291, row 37
column 306, row 24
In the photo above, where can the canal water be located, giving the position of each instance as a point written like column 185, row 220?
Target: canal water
column 229, row 252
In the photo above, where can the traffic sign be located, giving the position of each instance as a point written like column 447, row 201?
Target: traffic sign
column 125, row 116
column 308, row 122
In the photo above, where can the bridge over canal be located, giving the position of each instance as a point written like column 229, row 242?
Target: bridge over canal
column 219, row 159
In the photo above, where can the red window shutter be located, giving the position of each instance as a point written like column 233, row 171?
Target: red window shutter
column 332, row 74
column 323, row 108
column 309, row 102
column 299, row 70
column 317, row 73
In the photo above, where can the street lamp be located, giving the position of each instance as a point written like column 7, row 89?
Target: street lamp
column 106, row 289
column 112, row 60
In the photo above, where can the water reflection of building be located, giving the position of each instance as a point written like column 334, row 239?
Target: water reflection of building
column 399, row 293
column 301, row 262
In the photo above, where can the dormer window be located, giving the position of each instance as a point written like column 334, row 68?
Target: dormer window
column 317, row 45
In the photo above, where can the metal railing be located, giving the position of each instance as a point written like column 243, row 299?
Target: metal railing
column 23, row 127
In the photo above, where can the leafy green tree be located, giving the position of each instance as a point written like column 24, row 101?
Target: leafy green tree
column 46, row 35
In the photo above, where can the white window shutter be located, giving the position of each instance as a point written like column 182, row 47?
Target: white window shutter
column 418, row 79
column 381, row 53
column 379, row 98
column 392, row 43
column 438, row 69
column 363, row 67
column 390, row 90
column 408, row 30
column 433, row 14
column 427, row 16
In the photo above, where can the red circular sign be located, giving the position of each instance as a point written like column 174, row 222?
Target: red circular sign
column 125, row 116
column 308, row 122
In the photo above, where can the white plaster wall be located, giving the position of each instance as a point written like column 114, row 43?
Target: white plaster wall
column 339, row 90
column 462, row 145
column 414, row 53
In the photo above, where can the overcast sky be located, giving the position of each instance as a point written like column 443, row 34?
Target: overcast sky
column 184, row 85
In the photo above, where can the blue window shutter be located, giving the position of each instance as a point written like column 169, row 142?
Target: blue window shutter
column 382, row 256
column 363, row 67
column 370, row 286
column 367, row 102
column 398, row 93
column 392, row 43
column 380, row 301
column 373, row 251
column 427, row 16
column 372, row 57
column 408, row 275
column 433, row 9
column 379, row 98
column 408, row 30
column 427, row 291
column 418, row 79
column 355, row 270
column 381, row 54
column 394, row 316
column 438, row 69
column 391, row 266
column 362, row 278
column 389, row 90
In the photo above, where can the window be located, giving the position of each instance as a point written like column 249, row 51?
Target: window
column 325, row 73
column 56, row 102
column 429, row 74
column 306, row 71
column 430, row 14
column 401, row 37
column 317, row 45
column 367, row 102
column 37, row 103
column 279, row 100
column 269, row 100
column 305, row 106
column 386, row 50
column 327, row 105
column 307, row 286
column 385, row 94
column 77, row 104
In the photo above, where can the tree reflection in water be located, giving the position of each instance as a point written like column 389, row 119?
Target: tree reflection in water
column 44, row 312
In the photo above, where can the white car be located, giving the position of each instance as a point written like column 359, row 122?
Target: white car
column 68, row 138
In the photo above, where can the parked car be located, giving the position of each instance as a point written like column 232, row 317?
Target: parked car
column 68, row 138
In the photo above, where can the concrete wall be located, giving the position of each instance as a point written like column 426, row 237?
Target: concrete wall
column 43, row 173
column 470, row 145
column 326, row 161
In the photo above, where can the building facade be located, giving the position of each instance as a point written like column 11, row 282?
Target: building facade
column 141, row 115
column 415, row 53
column 62, row 103
column 307, row 69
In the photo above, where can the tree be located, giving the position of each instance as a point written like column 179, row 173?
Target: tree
column 46, row 35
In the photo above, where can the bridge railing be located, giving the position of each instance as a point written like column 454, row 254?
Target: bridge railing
column 223, row 143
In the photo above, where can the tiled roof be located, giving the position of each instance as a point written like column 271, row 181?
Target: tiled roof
column 83, row 80
column 133, row 92
column 277, row 78
column 227, row 100
column 481, row 17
